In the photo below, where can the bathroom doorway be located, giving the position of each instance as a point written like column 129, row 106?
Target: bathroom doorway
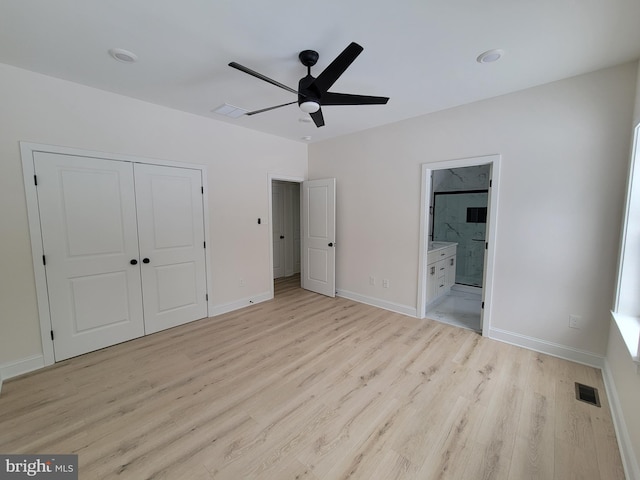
column 459, row 207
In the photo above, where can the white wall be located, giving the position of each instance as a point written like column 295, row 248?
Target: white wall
column 41, row 109
column 564, row 150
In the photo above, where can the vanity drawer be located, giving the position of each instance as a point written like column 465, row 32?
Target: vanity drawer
column 441, row 253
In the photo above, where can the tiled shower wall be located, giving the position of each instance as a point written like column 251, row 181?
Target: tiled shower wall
column 455, row 191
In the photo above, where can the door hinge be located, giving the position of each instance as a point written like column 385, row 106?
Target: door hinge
column 206, row 297
column 202, row 190
column 44, row 260
column 490, row 183
column 35, row 180
column 52, row 335
column 205, row 244
column 482, row 306
column 486, row 245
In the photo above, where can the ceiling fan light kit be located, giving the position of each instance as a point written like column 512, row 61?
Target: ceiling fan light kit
column 309, row 106
column 312, row 91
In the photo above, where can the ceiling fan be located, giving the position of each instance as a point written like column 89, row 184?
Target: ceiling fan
column 313, row 91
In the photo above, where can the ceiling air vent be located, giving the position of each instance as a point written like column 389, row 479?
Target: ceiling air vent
column 587, row 394
column 229, row 111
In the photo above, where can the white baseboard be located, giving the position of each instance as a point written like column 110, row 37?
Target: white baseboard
column 376, row 302
column 629, row 460
column 19, row 367
column 550, row 348
column 238, row 304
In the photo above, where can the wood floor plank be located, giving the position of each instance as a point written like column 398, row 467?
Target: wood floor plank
column 309, row 387
column 448, row 457
column 535, row 441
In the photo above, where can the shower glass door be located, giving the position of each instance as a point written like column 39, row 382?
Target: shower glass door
column 461, row 217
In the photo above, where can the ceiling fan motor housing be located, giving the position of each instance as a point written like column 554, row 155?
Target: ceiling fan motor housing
column 308, row 57
column 307, row 92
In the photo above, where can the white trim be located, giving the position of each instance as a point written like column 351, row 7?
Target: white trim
column 627, row 212
column 242, row 303
column 492, row 226
column 376, row 302
column 33, row 214
column 550, row 348
column 270, row 178
column 629, row 328
column 207, row 251
column 629, row 460
column 79, row 152
column 27, row 150
column 425, row 203
column 20, row 367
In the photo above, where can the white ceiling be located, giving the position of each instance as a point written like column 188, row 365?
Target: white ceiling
column 420, row 53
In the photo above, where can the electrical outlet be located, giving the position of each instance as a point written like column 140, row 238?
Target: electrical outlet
column 574, row 321
column 385, row 283
column 372, row 280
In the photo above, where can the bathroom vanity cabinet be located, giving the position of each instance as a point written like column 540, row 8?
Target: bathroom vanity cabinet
column 441, row 269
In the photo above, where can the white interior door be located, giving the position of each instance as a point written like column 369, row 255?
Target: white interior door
column 172, row 250
column 277, row 230
column 90, row 241
column 318, row 236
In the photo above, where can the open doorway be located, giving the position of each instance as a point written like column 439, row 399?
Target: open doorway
column 285, row 232
column 458, row 220
column 458, row 216
column 310, row 208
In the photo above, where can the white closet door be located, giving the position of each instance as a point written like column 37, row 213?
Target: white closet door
column 171, row 236
column 90, row 239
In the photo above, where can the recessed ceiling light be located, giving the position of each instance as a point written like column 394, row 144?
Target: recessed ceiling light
column 304, row 120
column 490, row 56
column 124, row 56
column 306, row 137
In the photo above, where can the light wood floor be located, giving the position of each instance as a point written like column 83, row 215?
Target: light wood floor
column 307, row 387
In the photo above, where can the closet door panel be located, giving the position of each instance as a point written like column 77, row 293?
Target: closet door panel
column 89, row 234
column 171, row 237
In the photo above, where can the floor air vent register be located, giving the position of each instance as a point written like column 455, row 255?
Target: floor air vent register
column 587, row 394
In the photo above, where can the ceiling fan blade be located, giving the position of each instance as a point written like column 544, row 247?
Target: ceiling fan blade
column 244, row 69
column 270, row 108
column 330, row 98
column 336, row 68
column 318, row 118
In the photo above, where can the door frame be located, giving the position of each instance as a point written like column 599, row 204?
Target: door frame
column 492, row 223
column 270, row 178
column 27, row 150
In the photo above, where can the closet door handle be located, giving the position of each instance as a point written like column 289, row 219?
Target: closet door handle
column 145, row 260
column 133, row 261
column 281, row 236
